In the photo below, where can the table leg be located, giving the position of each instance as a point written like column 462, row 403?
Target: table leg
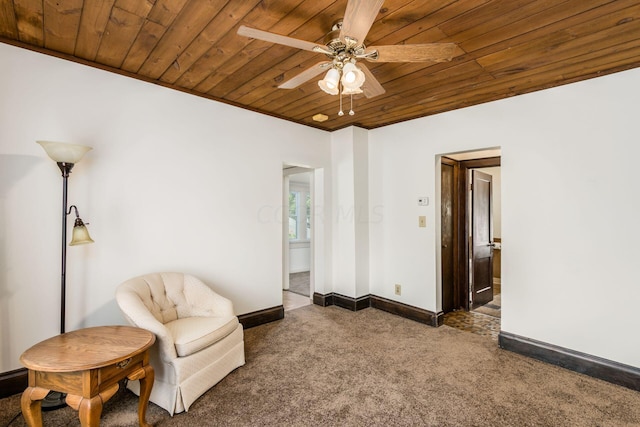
column 31, row 405
column 146, row 377
column 90, row 411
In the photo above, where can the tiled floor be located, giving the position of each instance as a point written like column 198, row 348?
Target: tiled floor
column 493, row 308
column 291, row 300
column 300, row 283
column 299, row 293
column 483, row 321
column 474, row 322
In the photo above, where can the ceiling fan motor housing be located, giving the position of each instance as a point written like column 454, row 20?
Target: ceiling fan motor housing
column 342, row 50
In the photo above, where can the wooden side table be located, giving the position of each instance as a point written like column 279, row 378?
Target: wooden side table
column 87, row 365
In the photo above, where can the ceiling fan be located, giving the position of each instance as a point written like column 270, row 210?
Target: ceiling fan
column 344, row 46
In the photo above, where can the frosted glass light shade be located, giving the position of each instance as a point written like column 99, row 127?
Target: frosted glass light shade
column 352, row 76
column 61, row 152
column 330, row 82
column 80, row 235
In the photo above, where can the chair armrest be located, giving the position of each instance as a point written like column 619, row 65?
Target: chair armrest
column 164, row 338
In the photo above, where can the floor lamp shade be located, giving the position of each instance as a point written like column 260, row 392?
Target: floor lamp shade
column 62, row 152
column 80, row 234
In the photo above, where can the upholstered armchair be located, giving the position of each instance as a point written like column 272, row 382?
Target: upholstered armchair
column 198, row 337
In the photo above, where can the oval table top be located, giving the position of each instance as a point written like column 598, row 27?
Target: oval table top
column 87, row 348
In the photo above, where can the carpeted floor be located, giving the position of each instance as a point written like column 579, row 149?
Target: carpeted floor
column 333, row 367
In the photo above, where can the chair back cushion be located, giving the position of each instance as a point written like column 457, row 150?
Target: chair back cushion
column 172, row 296
column 161, row 293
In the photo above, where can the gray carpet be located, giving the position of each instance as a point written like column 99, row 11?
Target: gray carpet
column 333, row 367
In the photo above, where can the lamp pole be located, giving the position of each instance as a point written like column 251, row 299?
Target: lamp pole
column 65, row 168
column 66, row 156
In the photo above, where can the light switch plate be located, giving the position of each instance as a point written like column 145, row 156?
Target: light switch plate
column 422, row 221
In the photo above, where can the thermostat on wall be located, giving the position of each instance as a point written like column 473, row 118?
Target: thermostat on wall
column 423, row 201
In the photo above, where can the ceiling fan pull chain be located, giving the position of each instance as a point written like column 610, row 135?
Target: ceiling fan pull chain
column 351, row 112
column 340, row 113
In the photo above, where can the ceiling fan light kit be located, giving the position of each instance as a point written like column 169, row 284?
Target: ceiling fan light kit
column 352, row 76
column 344, row 46
column 354, row 91
column 330, row 82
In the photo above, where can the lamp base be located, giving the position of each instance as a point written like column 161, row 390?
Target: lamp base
column 54, row 400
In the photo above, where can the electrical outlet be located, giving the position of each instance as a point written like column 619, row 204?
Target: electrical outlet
column 398, row 289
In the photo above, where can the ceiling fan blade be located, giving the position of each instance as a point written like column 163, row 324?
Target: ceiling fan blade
column 276, row 38
column 371, row 86
column 359, row 17
column 304, row 76
column 437, row 52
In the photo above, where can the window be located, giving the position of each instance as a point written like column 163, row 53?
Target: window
column 299, row 214
column 308, row 219
column 294, row 197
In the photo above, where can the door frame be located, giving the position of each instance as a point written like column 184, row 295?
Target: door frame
column 461, row 285
column 316, row 191
column 454, row 291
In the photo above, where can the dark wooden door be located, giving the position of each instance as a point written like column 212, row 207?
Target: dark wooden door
column 481, row 237
column 447, row 232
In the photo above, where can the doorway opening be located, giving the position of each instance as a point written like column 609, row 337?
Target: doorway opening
column 471, row 241
column 297, row 289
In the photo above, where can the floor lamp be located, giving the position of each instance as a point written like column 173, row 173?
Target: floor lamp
column 65, row 155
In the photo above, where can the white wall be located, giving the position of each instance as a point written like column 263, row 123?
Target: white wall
column 343, row 213
column 165, row 188
column 350, row 217
column 569, row 215
column 299, row 257
column 361, row 204
column 402, row 169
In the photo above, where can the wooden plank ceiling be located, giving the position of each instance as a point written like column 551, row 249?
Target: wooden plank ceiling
column 504, row 48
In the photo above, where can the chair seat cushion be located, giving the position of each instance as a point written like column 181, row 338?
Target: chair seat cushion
column 192, row 334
